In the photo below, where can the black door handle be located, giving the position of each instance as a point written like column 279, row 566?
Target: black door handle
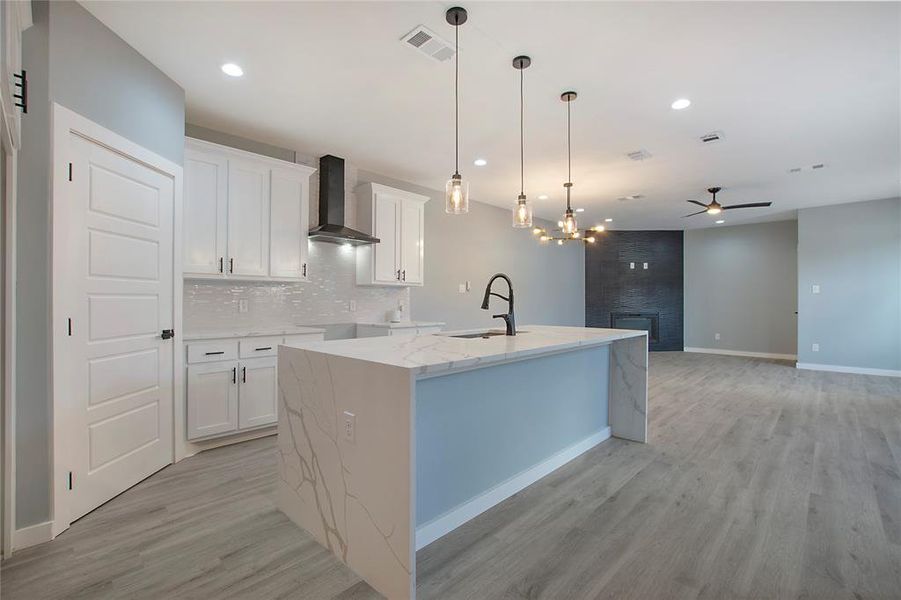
column 234, row 374
column 167, row 334
column 243, row 374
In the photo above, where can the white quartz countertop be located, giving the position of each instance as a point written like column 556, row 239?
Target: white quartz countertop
column 401, row 324
column 427, row 354
column 219, row 335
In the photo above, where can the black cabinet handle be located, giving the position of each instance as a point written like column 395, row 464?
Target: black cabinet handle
column 398, row 274
column 221, row 266
column 261, row 349
column 214, row 353
column 234, row 374
column 243, row 374
column 231, row 265
column 167, row 334
column 304, row 269
column 404, row 275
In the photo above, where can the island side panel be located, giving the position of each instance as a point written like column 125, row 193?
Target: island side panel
column 628, row 397
column 356, row 497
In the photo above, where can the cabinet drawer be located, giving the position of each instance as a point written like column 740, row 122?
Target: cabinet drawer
column 201, row 352
column 303, row 338
column 258, row 347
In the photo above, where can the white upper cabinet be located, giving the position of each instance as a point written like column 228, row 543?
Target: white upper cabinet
column 248, row 218
column 397, row 218
column 245, row 216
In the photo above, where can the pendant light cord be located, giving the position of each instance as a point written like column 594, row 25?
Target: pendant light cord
column 522, row 162
column 456, row 97
column 569, row 153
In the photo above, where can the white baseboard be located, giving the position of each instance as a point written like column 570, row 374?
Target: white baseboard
column 843, row 369
column 32, row 535
column 436, row 528
column 742, row 353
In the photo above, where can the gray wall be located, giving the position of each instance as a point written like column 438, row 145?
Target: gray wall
column 853, row 252
column 72, row 59
column 741, row 282
column 548, row 280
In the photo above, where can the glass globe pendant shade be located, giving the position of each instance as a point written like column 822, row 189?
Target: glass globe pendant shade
column 456, row 196
column 522, row 214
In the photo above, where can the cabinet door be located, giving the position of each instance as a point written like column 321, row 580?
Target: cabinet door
column 248, row 219
column 205, row 211
column 289, row 205
column 386, row 227
column 258, row 395
column 212, row 399
column 411, row 238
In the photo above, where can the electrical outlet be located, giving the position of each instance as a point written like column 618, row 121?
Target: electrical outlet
column 462, row 288
column 716, row 336
column 815, row 347
column 350, row 427
column 631, row 265
column 815, row 289
column 243, row 305
column 645, row 266
column 352, row 306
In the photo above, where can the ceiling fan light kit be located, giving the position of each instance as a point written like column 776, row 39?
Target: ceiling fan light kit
column 715, row 208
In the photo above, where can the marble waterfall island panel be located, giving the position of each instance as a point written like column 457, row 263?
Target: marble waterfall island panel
column 358, row 504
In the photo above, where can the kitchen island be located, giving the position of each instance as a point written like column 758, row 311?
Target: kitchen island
column 386, row 444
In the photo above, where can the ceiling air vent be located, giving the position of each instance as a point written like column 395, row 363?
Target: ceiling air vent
column 427, row 42
column 712, row 137
column 639, row 155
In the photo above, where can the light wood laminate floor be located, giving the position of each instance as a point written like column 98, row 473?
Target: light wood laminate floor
column 759, row 481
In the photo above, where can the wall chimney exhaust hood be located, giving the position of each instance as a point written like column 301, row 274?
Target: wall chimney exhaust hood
column 331, row 207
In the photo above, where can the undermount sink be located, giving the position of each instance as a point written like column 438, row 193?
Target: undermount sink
column 481, row 334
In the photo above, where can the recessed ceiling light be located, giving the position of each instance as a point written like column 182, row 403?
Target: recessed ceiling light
column 232, row 70
column 580, row 210
column 542, row 197
column 480, row 162
column 720, row 222
column 681, row 103
column 608, row 220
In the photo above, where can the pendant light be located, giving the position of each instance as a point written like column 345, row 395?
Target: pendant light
column 456, row 191
column 570, row 227
column 522, row 212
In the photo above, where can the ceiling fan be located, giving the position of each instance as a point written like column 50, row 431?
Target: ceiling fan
column 715, row 208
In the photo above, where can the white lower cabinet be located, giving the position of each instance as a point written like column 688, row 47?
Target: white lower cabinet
column 212, row 398
column 257, row 392
column 231, row 390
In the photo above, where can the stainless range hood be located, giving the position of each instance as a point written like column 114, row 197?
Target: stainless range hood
column 331, row 207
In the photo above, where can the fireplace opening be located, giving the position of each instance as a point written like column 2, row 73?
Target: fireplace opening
column 640, row 321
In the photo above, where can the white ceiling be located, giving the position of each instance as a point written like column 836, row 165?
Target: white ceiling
column 790, row 84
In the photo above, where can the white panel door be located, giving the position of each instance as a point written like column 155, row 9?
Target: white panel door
column 205, row 213
column 288, row 224
column 248, row 218
column 117, row 287
column 258, row 393
column 386, row 227
column 212, row 398
column 412, row 227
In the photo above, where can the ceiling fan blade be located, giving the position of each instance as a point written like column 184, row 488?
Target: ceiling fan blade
column 700, row 212
column 698, row 203
column 751, row 205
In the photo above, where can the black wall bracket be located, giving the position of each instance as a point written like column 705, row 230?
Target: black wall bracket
column 21, row 82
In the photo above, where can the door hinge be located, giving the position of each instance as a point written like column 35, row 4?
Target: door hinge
column 69, row 327
column 70, row 171
column 21, row 82
column 70, row 480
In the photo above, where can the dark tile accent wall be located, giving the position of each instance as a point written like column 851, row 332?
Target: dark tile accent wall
column 611, row 286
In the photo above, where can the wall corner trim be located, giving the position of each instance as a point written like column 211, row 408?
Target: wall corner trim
column 741, row 353
column 32, row 535
column 845, row 369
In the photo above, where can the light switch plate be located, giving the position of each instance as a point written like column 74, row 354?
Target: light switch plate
column 716, row 336
column 815, row 289
column 815, row 347
column 352, row 305
column 243, row 305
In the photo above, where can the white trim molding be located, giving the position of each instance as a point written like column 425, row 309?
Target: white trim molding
column 33, row 535
column 742, row 353
column 844, row 369
column 440, row 526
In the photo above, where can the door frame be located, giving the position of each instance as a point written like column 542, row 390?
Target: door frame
column 64, row 123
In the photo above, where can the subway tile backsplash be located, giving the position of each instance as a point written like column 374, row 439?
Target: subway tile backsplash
column 325, row 299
